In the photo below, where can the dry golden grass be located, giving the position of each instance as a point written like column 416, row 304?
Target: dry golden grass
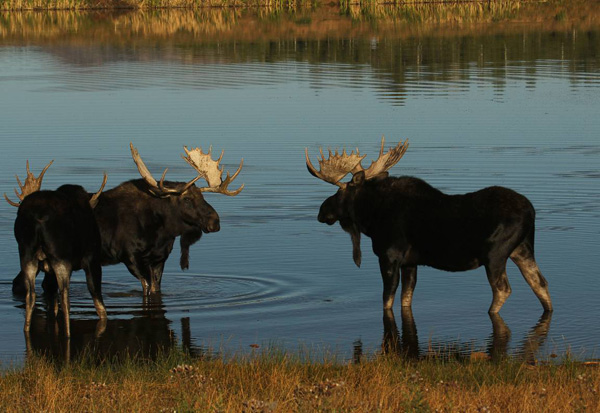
column 276, row 382
column 348, row 6
column 276, row 22
column 145, row 4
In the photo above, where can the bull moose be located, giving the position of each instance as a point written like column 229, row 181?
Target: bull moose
column 56, row 231
column 140, row 219
column 412, row 223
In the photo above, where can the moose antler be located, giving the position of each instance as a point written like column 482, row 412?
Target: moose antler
column 157, row 188
column 385, row 160
column 32, row 184
column 336, row 167
column 209, row 170
column 94, row 198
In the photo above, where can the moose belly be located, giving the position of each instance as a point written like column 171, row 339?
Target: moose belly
column 445, row 260
column 454, row 265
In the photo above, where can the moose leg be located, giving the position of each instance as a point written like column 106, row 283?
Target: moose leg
column 29, row 269
column 523, row 257
column 409, row 281
column 134, row 269
column 391, row 278
column 156, row 272
column 496, row 274
column 63, row 277
column 93, row 277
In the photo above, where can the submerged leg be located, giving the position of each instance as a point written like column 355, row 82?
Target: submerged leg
column 523, row 257
column 496, row 273
column 409, row 281
column 391, row 278
column 156, row 273
column 134, row 269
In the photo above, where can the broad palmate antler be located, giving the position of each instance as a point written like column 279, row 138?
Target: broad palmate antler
column 337, row 166
column 206, row 167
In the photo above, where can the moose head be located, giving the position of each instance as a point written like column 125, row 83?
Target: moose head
column 340, row 206
column 33, row 184
column 186, row 197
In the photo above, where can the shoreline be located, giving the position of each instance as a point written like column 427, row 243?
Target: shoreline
column 274, row 381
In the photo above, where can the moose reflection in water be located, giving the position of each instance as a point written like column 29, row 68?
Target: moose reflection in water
column 56, row 231
column 145, row 335
column 406, row 342
column 411, row 223
column 140, row 219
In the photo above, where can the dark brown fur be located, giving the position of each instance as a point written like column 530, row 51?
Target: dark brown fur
column 411, row 223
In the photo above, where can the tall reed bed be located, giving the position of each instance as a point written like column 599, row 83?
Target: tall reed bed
column 431, row 12
column 274, row 381
column 147, row 4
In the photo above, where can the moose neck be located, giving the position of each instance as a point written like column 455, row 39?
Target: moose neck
column 367, row 207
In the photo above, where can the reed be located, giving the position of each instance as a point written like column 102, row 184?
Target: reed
column 417, row 12
column 276, row 381
column 280, row 4
column 148, row 4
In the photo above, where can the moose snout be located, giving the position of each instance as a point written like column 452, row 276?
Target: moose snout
column 213, row 225
column 326, row 218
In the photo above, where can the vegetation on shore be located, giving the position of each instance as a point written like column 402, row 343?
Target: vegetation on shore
column 280, row 4
column 146, row 4
column 277, row 382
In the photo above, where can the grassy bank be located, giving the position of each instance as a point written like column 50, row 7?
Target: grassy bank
column 276, row 382
column 146, row 4
column 281, row 4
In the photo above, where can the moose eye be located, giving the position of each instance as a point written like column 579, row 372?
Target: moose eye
column 188, row 201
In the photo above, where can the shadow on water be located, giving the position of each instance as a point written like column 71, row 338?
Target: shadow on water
column 405, row 342
column 141, row 337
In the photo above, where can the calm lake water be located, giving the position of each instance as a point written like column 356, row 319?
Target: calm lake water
column 490, row 105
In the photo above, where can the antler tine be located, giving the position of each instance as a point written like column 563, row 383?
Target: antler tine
column 222, row 189
column 94, row 198
column 334, row 168
column 31, row 184
column 11, row 202
column 208, row 169
column 157, row 188
column 386, row 160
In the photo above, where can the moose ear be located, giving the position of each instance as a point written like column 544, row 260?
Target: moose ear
column 358, row 178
